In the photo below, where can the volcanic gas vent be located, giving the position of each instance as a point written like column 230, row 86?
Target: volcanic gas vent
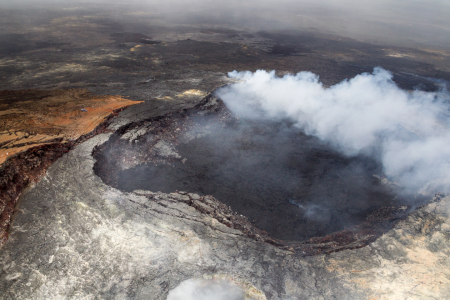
column 286, row 183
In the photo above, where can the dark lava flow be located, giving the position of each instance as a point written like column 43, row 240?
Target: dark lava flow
column 286, row 183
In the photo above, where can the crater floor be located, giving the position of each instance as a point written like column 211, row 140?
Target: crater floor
column 288, row 184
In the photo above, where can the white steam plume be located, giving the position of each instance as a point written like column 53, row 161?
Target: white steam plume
column 408, row 132
column 198, row 289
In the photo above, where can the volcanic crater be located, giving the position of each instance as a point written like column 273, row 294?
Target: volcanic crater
column 268, row 178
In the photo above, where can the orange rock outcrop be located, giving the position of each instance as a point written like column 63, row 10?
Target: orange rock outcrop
column 36, row 117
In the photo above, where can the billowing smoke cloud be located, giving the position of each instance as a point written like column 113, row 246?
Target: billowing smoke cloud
column 408, row 132
column 198, row 289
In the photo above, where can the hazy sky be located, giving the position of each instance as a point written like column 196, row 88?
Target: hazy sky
column 401, row 22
